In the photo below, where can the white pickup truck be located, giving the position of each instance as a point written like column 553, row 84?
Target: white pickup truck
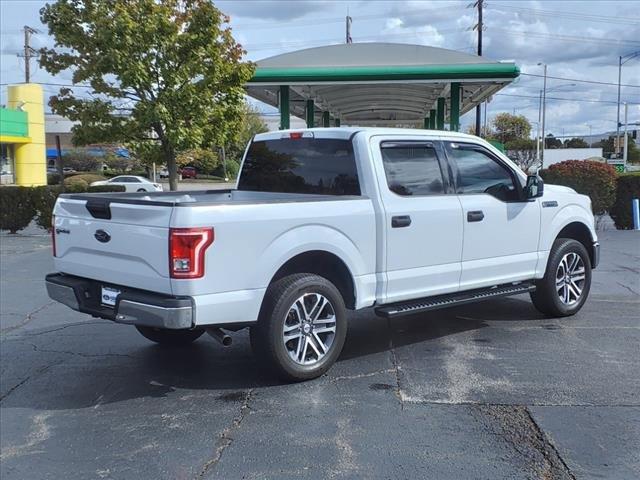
column 323, row 221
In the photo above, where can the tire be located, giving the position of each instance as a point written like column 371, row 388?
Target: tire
column 141, row 190
column 565, row 285
column 173, row 338
column 310, row 311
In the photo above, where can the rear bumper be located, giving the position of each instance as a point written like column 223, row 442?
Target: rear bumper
column 133, row 306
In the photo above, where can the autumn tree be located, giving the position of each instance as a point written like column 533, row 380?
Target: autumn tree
column 167, row 75
column 508, row 127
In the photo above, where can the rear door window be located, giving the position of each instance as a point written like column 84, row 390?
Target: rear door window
column 412, row 168
column 303, row 165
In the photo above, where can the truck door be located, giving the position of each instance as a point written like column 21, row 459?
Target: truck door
column 500, row 230
column 422, row 215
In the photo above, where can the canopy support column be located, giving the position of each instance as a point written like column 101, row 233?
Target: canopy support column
column 326, row 119
column 284, row 107
column 432, row 119
column 336, row 122
column 311, row 113
column 454, row 115
column 440, row 113
column 425, row 125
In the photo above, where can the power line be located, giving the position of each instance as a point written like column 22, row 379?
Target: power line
column 569, row 38
column 586, row 100
column 572, row 15
column 578, row 80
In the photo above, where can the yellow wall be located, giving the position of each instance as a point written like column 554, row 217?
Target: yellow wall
column 30, row 158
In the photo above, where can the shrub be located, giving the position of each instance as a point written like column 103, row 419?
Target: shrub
column 53, row 179
column 628, row 189
column 76, row 187
column 86, row 178
column 595, row 179
column 44, row 199
column 106, row 188
column 16, row 208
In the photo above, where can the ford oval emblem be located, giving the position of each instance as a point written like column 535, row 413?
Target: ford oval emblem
column 102, row 236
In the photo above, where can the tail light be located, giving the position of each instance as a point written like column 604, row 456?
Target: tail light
column 53, row 234
column 187, row 247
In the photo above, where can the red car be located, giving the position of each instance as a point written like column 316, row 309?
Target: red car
column 189, row 172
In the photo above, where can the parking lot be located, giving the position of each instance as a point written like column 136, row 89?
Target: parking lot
column 485, row 391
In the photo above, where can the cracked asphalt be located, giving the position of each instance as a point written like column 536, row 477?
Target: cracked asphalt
column 485, row 391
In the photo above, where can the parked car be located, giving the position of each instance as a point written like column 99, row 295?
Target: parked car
column 132, row 183
column 188, row 172
column 66, row 170
column 321, row 222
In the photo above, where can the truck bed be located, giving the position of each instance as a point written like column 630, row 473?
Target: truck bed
column 206, row 197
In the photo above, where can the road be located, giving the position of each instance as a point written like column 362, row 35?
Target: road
column 487, row 391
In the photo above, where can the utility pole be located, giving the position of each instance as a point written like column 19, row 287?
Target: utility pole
column 617, row 143
column 625, row 152
column 348, row 29
column 28, row 52
column 479, row 26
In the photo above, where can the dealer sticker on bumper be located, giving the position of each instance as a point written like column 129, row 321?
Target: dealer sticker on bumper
column 109, row 296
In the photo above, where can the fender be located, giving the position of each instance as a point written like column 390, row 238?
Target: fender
column 552, row 226
column 305, row 238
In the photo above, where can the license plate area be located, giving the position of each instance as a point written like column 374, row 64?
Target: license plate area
column 109, row 296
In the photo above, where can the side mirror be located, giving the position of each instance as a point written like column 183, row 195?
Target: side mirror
column 534, row 187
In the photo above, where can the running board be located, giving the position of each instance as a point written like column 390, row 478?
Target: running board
column 449, row 300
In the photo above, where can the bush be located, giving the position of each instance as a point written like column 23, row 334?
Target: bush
column 16, row 208
column 628, row 189
column 84, row 178
column 44, row 199
column 106, row 188
column 595, row 179
column 53, row 179
column 76, row 187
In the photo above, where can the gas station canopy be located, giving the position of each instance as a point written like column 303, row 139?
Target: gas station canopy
column 377, row 84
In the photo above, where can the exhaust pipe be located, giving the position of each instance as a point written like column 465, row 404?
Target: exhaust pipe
column 220, row 336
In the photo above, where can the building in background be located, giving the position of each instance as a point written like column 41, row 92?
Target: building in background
column 22, row 137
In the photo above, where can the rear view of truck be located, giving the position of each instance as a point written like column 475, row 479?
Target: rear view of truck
column 177, row 264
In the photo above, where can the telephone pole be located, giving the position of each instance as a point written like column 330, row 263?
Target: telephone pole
column 348, row 28
column 479, row 27
column 28, row 52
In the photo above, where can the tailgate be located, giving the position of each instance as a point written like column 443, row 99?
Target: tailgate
column 121, row 243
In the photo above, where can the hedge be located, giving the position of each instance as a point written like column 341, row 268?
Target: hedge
column 595, row 179
column 16, row 208
column 20, row 205
column 628, row 188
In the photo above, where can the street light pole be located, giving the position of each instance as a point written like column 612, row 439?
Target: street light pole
column 544, row 109
column 621, row 61
column 618, row 115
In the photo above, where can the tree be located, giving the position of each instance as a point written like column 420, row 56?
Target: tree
column 576, row 143
column 204, row 160
column 523, row 152
column 167, row 75
column 510, row 127
column 81, row 160
column 251, row 125
column 552, row 142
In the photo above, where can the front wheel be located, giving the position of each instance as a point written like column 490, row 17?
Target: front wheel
column 567, row 281
column 141, row 190
column 173, row 338
column 302, row 326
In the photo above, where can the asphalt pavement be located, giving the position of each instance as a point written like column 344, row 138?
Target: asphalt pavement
column 485, row 391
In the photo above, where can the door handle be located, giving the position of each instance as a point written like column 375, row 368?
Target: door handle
column 400, row 221
column 475, row 216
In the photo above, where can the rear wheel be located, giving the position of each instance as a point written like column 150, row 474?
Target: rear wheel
column 567, row 281
column 301, row 328
column 165, row 336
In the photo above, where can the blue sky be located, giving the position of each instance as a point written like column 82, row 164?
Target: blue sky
column 576, row 39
